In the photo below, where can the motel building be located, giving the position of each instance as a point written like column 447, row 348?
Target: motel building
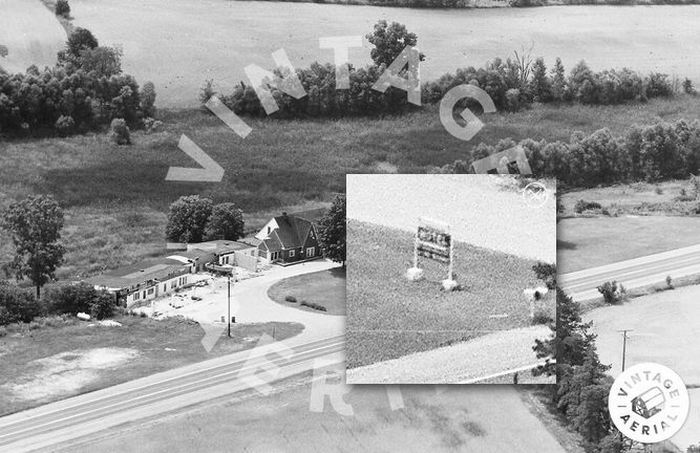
column 154, row 278
column 146, row 280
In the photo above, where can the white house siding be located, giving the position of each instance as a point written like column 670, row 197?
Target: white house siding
column 248, row 262
column 267, row 229
column 152, row 291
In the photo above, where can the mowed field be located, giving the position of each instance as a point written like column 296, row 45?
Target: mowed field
column 665, row 329
column 583, row 243
column 389, row 317
column 425, row 418
column 31, row 34
column 178, row 44
column 645, row 218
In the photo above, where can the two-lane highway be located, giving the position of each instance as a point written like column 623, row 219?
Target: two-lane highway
column 634, row 273
column 162, row 393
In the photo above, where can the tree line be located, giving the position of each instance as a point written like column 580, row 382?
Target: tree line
column 583, row 385
column 513, row 84
column 648, row 153
column 83, row 91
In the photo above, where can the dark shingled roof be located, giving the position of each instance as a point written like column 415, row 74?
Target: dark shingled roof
column 292, row 230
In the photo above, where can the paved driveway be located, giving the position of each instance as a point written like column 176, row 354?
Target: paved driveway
column 250, row 303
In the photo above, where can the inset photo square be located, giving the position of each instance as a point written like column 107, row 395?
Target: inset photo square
column 450, row 279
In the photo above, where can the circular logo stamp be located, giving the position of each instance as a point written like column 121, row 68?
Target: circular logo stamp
column 648, row 403
column 535, row 194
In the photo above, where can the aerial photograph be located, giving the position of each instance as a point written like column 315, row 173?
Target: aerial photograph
column 449, row 279
column 286, row 226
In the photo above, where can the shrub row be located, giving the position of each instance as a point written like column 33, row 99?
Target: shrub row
column 650, row 153
column 18, row 305
column 322, row 98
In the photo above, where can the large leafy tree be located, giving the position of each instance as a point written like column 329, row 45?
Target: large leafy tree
column 188, row 218
column 332, row 234
column 226, row 222
column 81, row 39
column 35, row 225
column 389, row 41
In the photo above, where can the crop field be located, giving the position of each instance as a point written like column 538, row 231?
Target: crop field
column 30, row 33
column 389, row 317
column 184, row 43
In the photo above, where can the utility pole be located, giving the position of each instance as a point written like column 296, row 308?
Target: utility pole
column 624, row 345
column 229, row 306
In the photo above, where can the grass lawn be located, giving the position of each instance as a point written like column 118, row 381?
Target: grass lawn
column 116, row 198
column 325, row 288
column 589, row 242
column 52, row 363
column 389, row 317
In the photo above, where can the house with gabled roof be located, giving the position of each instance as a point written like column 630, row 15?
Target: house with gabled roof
column 288, row 239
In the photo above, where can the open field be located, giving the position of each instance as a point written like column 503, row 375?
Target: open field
column 122, row 193
column 436, row 419
column 326, row 288
column 665, row 331
column 389, row 317
column 216, row 39
column 51, row 363
column 589, row 242
column 31, row 33
column 639, row 198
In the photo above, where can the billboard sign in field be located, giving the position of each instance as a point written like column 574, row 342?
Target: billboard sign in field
column 434, row 241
